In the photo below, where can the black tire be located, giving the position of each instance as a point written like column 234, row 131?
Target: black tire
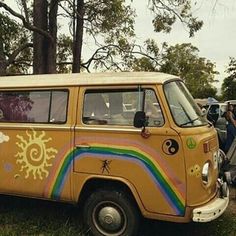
column 110, row 213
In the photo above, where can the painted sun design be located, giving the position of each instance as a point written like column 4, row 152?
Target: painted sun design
column 34, row 155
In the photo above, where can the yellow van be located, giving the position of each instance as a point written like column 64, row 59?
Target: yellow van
column 121, row 145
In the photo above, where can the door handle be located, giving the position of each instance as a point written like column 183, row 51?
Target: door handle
column 86, row 146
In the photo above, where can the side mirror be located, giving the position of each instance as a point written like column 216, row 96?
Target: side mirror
column 140, row 119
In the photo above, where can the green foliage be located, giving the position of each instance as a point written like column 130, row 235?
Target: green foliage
column 64, row 54
column 197, row 72
column 182, row 60
column 111, row 24
column 229, row 84
column 143, row 64
column 9, row 30
column 13, row 36
column 167, row 12
column 163, row 22
column 152, row 47
column 145, row 59
column 113, row 20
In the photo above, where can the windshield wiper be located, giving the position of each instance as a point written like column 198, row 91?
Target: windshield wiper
column 189, row 122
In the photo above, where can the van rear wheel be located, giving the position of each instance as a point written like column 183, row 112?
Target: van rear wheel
column 111, row 213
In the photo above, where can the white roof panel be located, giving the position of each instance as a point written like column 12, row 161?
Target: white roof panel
column 114, row 78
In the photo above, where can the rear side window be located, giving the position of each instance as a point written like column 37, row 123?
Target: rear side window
column 214, row 109
column 118, row 107
column 33, row 106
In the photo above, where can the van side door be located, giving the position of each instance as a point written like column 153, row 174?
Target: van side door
column 110, row 148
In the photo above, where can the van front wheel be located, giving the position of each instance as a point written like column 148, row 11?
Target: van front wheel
column 110, row 213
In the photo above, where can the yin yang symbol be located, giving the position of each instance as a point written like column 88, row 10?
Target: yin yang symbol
column 170, row 147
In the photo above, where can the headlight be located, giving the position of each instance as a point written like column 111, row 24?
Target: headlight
column 205, row 173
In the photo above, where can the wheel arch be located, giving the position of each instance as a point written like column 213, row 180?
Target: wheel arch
column 95, row 183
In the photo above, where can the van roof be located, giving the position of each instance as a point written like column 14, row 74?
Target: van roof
column 113, row 78
column 231, row 102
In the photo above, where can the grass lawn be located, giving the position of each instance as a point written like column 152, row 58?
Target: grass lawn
column 21, row 217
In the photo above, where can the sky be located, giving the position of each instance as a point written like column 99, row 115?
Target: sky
column 216, row 40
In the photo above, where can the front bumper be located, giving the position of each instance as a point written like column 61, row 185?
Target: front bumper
column 211, row 210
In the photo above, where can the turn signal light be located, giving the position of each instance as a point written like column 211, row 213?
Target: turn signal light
column 206, row 147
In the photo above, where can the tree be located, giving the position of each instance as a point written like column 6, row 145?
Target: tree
column 64, row 53
column 109, row 23
column 167, row 12
column 44, row 19
column 120, row 44
column 43, row 27
column 229, row 84
column 182, row 60
column 15, row 47
column 197, row 72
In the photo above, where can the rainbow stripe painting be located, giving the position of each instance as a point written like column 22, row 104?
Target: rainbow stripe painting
column 167, row 182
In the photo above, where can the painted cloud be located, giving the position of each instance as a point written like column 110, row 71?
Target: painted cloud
column 3, row 138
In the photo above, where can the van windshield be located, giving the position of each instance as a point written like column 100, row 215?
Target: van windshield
column 184, row 110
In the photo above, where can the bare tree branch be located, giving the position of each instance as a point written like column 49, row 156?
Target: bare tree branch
column 24, row 4
column 26, row 24
column 22, row 62
column 13, row 56
column 106, row 51
column 64, row 63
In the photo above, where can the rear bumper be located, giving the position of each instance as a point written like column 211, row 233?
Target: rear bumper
column 212, row 210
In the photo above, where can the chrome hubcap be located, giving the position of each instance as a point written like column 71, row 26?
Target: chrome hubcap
column 109, row 219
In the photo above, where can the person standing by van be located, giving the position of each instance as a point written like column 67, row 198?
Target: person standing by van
column 231, row 127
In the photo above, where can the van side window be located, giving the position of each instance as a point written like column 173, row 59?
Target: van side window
column 58, row 111
column 118, row 107
column 152, row 109
column 33, row 106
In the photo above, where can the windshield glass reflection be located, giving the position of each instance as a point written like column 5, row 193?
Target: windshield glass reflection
column 183, row 108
